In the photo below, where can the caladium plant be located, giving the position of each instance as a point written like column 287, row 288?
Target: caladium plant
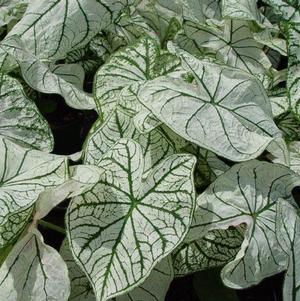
column 190, row 164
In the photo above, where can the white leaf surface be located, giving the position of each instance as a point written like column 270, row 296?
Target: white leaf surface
column 20, row 119
column 247, row 194
column 120, row 229
column 24, row 175
column 34, row 271
column 225, row 110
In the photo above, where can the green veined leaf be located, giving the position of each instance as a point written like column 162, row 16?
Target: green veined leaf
column 120, row 229
column 81, row 289
column 156, row 285
column 73, row 24
column 154, row 288
column 215, row 249
column 269, row 38
column 232, row 42
column 247, row 194
column 294, row 149
column 293, row 78
column 155, row 145
column 34, row 271
column 20, row 119
column 289, row 125
column 40, row 76
column 24, row 174
column 246, row 10
column 288, row 231
column 208, row 167
column 11, row 10
column 133, row 64
column 226, row 111
column 279, row 102
column 199, row 11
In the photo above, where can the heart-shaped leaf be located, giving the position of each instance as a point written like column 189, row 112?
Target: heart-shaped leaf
column 123, row 226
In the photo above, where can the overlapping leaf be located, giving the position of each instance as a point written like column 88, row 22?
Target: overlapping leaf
column 247, row 194
column 225, row 111
column 216, row 248
column 288, row 230
column 24, row 174
column 34, row 271
column 156, row 145
column 20, row 119
column 73, row 24
column 40, row 76
column 122, row 227
column 232, row 42
column 133, row 64
column 11, row 10
column 153, row 289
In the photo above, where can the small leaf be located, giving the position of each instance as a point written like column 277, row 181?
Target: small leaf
column 33, row 271
column 120, row 229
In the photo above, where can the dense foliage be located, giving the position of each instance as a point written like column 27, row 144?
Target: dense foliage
column 189, row 166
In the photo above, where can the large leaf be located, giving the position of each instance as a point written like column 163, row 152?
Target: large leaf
column 232, row 43
column 156, row 145
column 288, row 231
column 33, row 271
column 154, row 288
column 40, row 76
column 135, row 63
column 24, row 174
column 247, row 194
column 225, row 111
column 120, row 229
column 20, row 119
column 73, row 24
column 215, row 249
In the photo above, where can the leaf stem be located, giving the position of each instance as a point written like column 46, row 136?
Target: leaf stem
column 52, row 226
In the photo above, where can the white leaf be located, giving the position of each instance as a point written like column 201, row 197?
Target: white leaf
column 247, row 194
column 120, row 229
column 225, row 111
column 24, row 175
column 156, row 145
column 33, row 271
column 20, row 119
column 288, row 231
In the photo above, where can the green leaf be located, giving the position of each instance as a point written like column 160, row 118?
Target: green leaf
column 247, row 194
column 120, row 229
column 294, row 149
column 215, row 249
column 133, row 64
column 288, row 231
column 225, row 111
column 232, row 42
column 34, row 271
column 24, row 175
column 20, row 119
column 156, row 146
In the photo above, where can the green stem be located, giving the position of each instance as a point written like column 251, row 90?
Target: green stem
column 52, row 227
